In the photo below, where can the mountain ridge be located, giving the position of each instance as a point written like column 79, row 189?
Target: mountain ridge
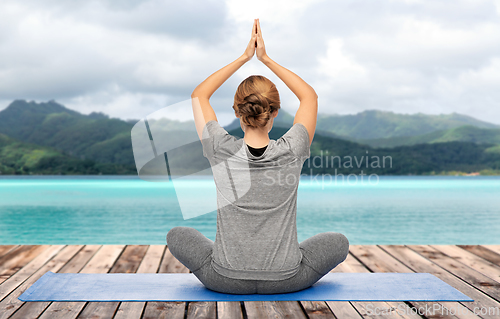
column 99, row 138
column 464, row 133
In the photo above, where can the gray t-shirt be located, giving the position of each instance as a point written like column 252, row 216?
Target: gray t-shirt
column 257, row 203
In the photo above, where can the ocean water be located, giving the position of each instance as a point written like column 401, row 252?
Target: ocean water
column 128, row 210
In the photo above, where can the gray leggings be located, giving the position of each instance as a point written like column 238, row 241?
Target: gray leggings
column 321, row 253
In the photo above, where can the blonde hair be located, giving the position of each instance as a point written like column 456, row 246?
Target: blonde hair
column 255, row 100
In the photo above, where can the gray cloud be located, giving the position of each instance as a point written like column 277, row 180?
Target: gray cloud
column 188, row 19
column 126, row 58
column 421, row 56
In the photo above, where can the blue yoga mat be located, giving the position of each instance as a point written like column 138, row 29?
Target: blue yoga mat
column 186, row 287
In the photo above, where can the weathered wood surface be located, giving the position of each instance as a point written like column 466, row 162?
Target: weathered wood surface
column 472, row 269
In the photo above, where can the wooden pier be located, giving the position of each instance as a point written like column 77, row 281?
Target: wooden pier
column 474, row 270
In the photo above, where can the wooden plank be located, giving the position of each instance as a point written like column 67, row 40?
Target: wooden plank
column 170, row 264
column 493, row 248
column 128, row 262
column 469, row 275
column 78, row 262
column 483, row 252
column 167, row 310
column 202, row 309
column 471, row 260
column 164, row 310
column 344, row 309
column 419, row 263
column 414, row 259
column 53, row 260
column 387, row 263
column 12, row 255
column 101, row 262
column 369, row 261
column 150, row 264
column 229, row 310
column 29, row 269
column 17, row 258
column 321, row 309
column 34, row 309
column 317, row 310
column 274, row 309
column 350, row 264
column 4, row 249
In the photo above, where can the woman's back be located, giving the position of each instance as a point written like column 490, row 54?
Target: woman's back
column 256, row 248
column 257, row 202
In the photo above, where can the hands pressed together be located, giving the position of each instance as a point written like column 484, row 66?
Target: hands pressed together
column 308, row 98
column 256, row 44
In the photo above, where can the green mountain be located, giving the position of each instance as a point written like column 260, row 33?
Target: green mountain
column 337, row 156
column 19, row 158
column 465, row 133
column 374, row 124
column 48, row 138
column 94, row 136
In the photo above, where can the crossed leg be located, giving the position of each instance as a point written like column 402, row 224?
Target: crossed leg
column 320, row 254
column 194, row 251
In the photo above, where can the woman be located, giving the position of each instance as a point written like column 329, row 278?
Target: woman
column 256, row 248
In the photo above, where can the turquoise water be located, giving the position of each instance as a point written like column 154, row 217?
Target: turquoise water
column 127, row 210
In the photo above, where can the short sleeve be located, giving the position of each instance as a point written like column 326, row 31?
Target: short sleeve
column 297, row 139
column 213, row 136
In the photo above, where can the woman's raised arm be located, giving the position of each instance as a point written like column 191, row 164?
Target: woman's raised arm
column 308, row 109
column 202, row 110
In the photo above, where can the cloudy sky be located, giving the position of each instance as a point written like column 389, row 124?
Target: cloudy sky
column 129, row 58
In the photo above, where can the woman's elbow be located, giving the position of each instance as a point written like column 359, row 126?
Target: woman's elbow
column 310, row 96
column 199, row 94
column 314, row 94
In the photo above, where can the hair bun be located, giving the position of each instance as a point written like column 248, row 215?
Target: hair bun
column 255, row 100
column 255, row 110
